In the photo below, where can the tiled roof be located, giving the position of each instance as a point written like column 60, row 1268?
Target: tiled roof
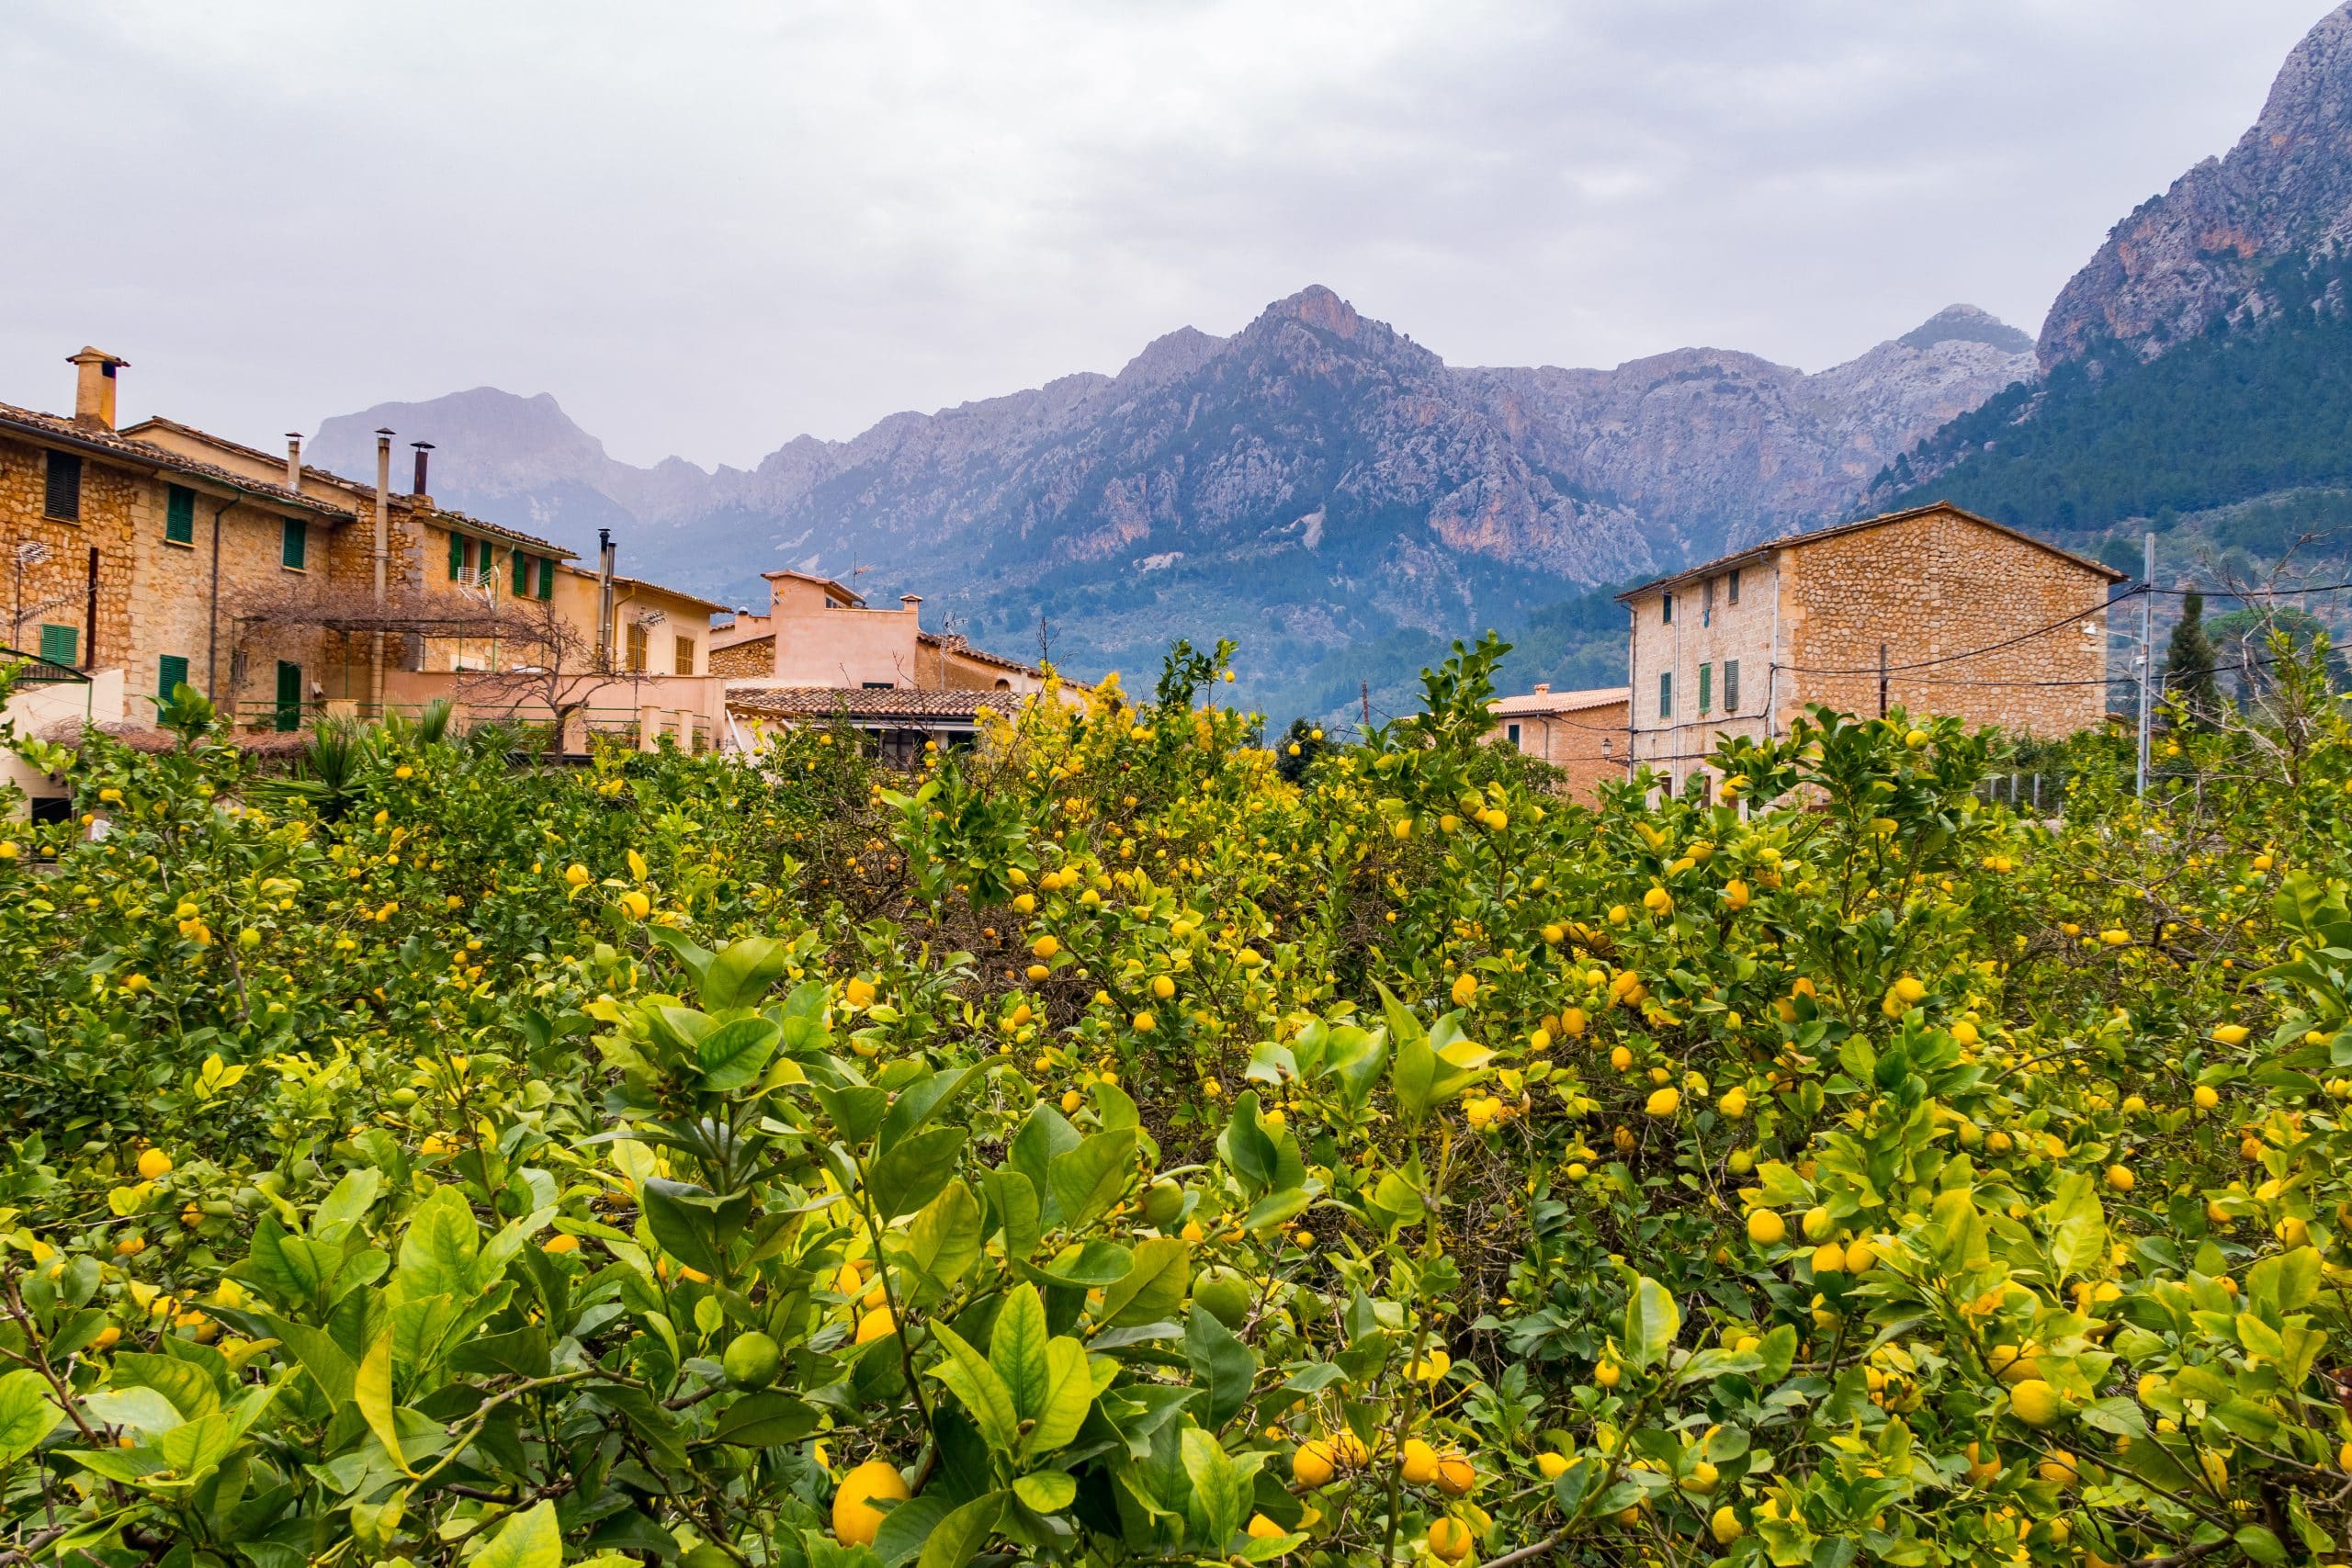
column 851, row 594
column 459, row 523
column 1795, row 541
column 860, row 703
column 76, row 435
column 955, row 645
column 1559, row 702
column 638, row 583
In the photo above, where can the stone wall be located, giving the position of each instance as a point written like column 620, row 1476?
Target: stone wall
column 751, row 660
column 1708, row 633
column 1932, row 587
column 1589, row 745
column 55, row 590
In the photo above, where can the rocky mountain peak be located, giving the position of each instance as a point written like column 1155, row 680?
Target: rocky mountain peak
column 2200, row 252
column 1966, row 324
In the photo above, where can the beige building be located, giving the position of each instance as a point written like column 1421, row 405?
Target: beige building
column 1582, row 733
column 1968, row 617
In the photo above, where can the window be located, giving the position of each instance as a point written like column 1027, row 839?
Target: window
column 180, row 514
column 457, row 558
column 290, row 697
column 1706, row 617
column 636, row 647
column 171, row 671
column 1666, row 609
column 1731, row 686
column 1512, row 731
column 547, row 577
column 1732, row 597
column 522, row 573
column 62, row 498
column 61, row 645
column 876, row 685
column 294, row 545
column 1666, row 694
column 684, row 655
column 1706, row 689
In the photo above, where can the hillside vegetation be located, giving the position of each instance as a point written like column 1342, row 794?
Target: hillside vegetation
column 1099, row 1147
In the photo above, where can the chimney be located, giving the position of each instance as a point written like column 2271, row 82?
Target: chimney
column 910, row 603
column 294, row 460
column 383, row 509
column 1543, row 688
column 419, row 490
column 93, row 387
column 605, row 552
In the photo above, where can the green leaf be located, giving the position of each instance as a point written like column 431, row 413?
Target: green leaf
column 1047, row 1491
column 437, row 1253
column 2288, row 1280
column 1652, row 1320
column 372, row 1390
column 1089, row 1179
column 1246, row 1148
column 1014, row 1201
column 1777, row 1352
column 962, row 1533
column 971, row 1378
column 1017, row 1347
column 190, row 1387
column 685, row 949
column 913, row 1172
column 529, row 1540
column 2258, row 1542
column 764, row 1420
column 856, row 1111
column 1069, row 1395
column 1154, row 1289
column 918, row 1103
column 1218, row 1496
column 2077, row 1225
column 346, row 1205
column 943, row 1238
column 1221, row 1364
column 27, row 1415
column 687, row 1229
column 734, row 1055
column 741, row 972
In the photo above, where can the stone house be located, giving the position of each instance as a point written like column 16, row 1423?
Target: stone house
column 1581, row 733
column 1967, row 616
column 818, row 634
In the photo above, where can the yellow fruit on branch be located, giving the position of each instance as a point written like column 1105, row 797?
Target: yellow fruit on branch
column 1313, row 1463
column 1449, row 1539
column 1766, row 1228
column 1418, row 1463
column 2035, row 1403
column 855, row 1518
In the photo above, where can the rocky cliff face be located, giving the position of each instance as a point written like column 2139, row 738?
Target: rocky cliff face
column 2211, row 248
column 1314, row 479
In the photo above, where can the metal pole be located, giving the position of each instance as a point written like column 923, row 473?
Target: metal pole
column 2147, row 647
column 1882, row 680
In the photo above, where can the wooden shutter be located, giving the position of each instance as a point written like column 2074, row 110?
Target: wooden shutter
column 522, row 573
column 62, row 498
column 180, row 514
column 1666, row 694
column 685, row 656
column 636, row 647
column 294, row 547
column 1706, row 688
column 171, row 671
column 457, row 558
column 61, row 645
column 289, row 697
column 1731, row 686
column 547, row 577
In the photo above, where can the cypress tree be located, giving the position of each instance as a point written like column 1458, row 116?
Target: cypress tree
column 2189, row 661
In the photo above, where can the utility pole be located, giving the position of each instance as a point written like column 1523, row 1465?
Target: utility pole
column 1882, row 680
column 1364, row 687
column 2147, row 647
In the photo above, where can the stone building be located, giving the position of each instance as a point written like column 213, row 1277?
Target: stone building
column 818, row 634
column 1581, row 733
column 1968, row 619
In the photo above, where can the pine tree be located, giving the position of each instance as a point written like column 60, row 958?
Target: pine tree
column 2188, row 662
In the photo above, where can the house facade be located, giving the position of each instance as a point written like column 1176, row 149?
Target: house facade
column 1583, row 734
column 1969, row 617
column 818, row 634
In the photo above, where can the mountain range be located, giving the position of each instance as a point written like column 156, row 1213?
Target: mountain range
column 1338, row 499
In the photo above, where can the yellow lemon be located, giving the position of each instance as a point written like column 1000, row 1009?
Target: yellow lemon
column 1456, row 1476
column 1313, row 1463
column 1466, row 990
column 855, row 1518
column 1264, row 1529
column 1664, row 1102
column 1417, row 1462
column 1726, row 1526
column 2035, row 1403
column 1766, row 1228
column 875, row 1325
column 154, row 1165
column 1449, row 1539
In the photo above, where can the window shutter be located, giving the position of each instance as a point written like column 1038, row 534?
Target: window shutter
column 522, row 564
column 61, row 645
column 289, row 697
column 457, row 558
column 180, row 514
column 1706, row 688
column 637, row 648
column 1731, row 686
column 171, row 671
column 685, row 655
column 547, row 577
column 62, row 498
column 1734, row 599
column 295, row 543
column 1666, row 609
column 1666, row 694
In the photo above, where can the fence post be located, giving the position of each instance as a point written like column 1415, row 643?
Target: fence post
column 649, row 728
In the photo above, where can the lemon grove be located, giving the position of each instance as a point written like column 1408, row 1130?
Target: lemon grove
column 1115, row 1145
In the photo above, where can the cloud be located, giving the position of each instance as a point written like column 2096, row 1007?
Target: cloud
column 705, row 228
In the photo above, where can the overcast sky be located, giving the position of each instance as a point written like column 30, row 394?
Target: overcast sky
column 706, row 228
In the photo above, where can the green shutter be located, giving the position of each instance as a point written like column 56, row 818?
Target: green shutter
column 289, row 697
column 61, row 645
column 294, row 546
column 1666, row 694
column 1731, row 686
column 171, row 671
column 1706, row 688
column 457, row 557
column 180, row 514
column 547, row 577
column 522, row 573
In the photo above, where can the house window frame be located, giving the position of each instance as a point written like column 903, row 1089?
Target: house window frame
column 1731, row 588
column 60, row 498
column 1731, row 686
column 1666, row 694
column 1512, row 731
column 166, row 678
column 682, row 655
column 1706, row 689
column 294, row 544
column 547, row 577
column 638, row 647
column 61, row 644
column 1706, row 610
column 1665, row 608
column 179, row 517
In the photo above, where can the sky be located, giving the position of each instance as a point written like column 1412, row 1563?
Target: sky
column 705, row 228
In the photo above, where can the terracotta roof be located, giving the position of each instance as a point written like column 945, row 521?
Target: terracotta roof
column 850, row 593
column 1795, row 541
column 459, row 523
column 76, row 435
column 638, row 583
column 1559, row 702
column 897, row 702
column 956, row 645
